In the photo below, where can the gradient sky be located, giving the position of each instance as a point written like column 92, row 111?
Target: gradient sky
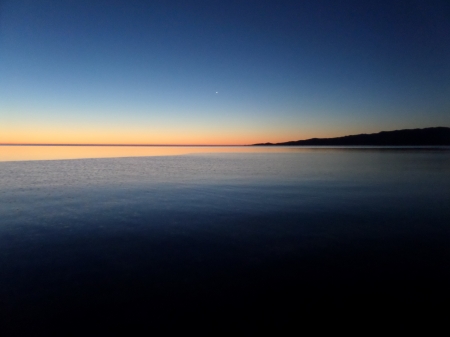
column 220, row 72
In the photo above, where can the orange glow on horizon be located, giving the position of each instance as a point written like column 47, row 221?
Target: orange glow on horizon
column 36, row 152
column 161, row 138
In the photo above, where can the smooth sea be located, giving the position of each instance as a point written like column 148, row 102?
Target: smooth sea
column 219, row 234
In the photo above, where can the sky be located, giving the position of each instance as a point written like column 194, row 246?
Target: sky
column 220, row 72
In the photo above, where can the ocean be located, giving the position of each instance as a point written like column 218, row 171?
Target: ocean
column 219, row 234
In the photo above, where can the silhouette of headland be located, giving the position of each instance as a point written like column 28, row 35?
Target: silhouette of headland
column 410, row 137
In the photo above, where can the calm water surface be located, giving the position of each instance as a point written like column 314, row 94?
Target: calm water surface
column 222, row 232
column 36, row 152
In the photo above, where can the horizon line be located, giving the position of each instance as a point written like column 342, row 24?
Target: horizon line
column 140, row 145
column 203, row 145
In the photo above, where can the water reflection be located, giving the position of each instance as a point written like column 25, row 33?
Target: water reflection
column 32, row 152
column 21, row 153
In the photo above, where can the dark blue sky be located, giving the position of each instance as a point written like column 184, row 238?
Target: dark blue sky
column 220, row 71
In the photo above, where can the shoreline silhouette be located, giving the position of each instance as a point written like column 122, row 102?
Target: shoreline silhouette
column 407, row 137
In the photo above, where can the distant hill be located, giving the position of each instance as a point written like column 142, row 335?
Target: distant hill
column 411, row 137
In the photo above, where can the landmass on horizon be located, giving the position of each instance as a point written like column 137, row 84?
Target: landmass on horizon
column 433, row 136
column 408, row 137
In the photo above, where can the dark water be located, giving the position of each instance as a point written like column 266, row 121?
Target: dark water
column 222, row 237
